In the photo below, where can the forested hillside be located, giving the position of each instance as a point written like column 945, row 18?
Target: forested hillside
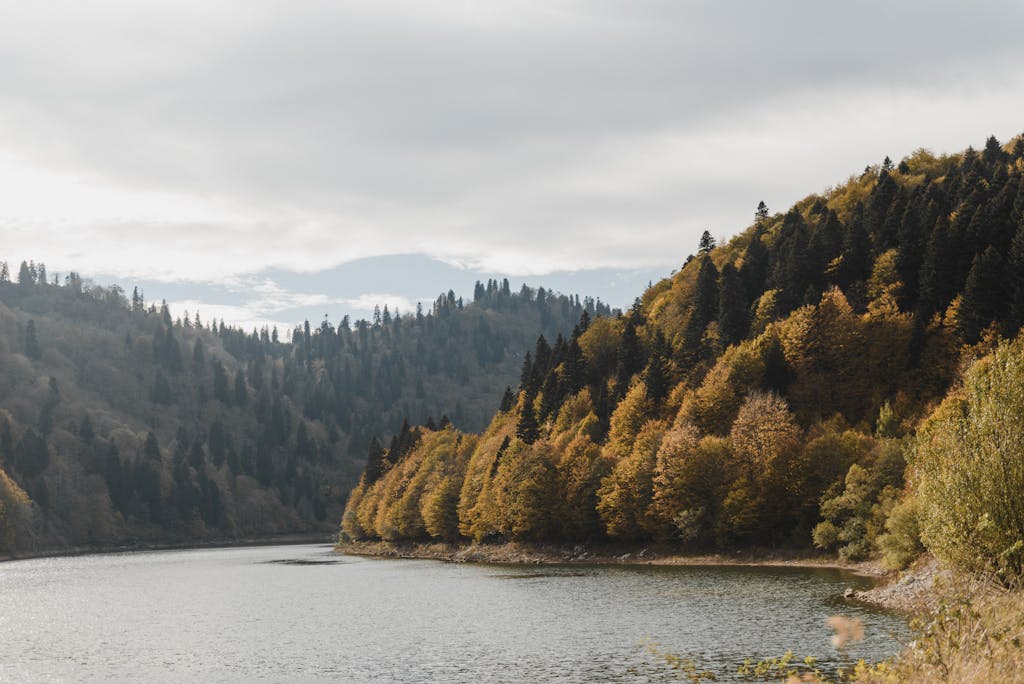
column 119, row 424
column 764, row 394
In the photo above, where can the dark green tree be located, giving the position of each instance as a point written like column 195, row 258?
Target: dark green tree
column 733, row 312
column 707, row 243
column 984, row 295
column 527, row 428
column 32, row 349
column 220, row 383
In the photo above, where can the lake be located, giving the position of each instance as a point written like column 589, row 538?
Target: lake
column 304, row 613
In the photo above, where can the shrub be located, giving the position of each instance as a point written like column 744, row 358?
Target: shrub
column 901, row 543
column 969, row 469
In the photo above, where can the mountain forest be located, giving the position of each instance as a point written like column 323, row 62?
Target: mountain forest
column 119, row 425
column 781, row 389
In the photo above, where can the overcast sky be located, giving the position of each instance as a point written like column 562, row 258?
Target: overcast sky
column 213, row 150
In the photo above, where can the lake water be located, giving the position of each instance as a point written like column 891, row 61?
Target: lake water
column 303, row 613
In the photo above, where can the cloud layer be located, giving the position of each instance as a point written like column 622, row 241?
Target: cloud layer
column 200, row 141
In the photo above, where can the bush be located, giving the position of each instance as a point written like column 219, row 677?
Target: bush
column 901, row 543
column 969, row 465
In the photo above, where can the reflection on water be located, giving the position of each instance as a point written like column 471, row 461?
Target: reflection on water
column 302, row 613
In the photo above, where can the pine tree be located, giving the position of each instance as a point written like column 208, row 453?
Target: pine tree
column 707, row 243
column 376, row 463
column 705, row 310
column 733, row 312
column 220, row 383
column 32, row 349
column 241, row 391
column 527, row 428
column 656, row 375
column 754, row 270
column 984, row 296
column 1015, row 279
column 761, row 213
column 25, row 277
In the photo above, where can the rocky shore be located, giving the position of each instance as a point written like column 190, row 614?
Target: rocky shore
column 915, row 590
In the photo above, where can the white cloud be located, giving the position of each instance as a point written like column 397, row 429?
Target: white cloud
column 189, row 141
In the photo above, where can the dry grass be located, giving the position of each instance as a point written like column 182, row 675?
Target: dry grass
column 974, row 636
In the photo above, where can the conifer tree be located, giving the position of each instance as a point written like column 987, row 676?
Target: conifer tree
column 733, row 312
column 220, row 383
column 508, row 400
column 984, row 295
column 1015, row 279
column 707, row 243
column 527, row 428
column 761, row 213
column 32, row 349
column 25, row 277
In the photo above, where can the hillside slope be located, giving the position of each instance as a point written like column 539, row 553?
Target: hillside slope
column 761, row 395
column 120, row 425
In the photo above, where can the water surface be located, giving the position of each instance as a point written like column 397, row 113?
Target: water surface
column 303, row 613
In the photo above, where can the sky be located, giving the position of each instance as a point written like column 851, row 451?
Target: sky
column 267, row 161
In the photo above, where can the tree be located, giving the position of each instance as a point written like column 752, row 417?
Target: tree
column 733, row 316
column 984, row 296
column 764, row 432
column 25, row 277
column 220, row 383
column 705, row 309
column 508, row 400
column 625, row 496
column 32, row 349
column 761, row 214
column 376, row 463
column 969, row 469
column 241, row 390
column 1015, row 279
column 707, row 243
column 527, row 428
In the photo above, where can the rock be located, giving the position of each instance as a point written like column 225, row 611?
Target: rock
column 624, row 557
column 849, row 593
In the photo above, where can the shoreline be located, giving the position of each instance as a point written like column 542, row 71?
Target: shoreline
column 67, row 552
column 911, row 592
column 541, row 554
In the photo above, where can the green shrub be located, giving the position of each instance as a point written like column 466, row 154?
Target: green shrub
column 901, row 543
column 969, row 465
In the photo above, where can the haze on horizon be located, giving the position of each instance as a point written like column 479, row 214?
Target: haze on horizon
column 236, row 155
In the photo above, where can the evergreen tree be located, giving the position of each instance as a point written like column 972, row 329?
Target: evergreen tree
column 761, row 214
column 1015, row 279
column 527, row 428
column 656, row 375
column 376, row 463
column 984, row 295
column 241, row 391
column 733, row 312
column 32, row 349
column 25, row 277
column 220, row 383
column 508, row 400
column 705, row 310
column 707, row 243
